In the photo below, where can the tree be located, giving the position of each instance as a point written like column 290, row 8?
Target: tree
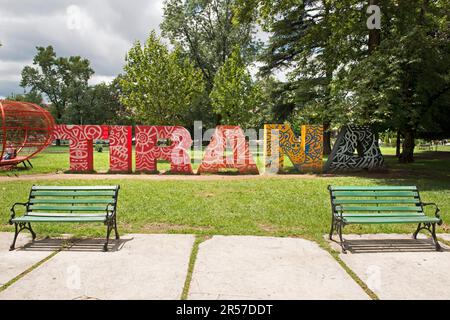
column 303, row 41
column 159, row 86
column 32, row 96
column 207, row 31
column 395, row 78
column 234, row 94
column 99, row 105
column 403, row 85
column 61, row 80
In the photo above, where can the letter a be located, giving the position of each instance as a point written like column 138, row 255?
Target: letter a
column 216, row 158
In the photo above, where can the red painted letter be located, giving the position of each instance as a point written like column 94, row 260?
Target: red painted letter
column 81, row 147
column 216, row 159
column 120, row 148
column 148, row 151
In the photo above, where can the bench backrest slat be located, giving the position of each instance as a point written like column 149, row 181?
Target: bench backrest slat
column 375, row 188
column 375, row 193
column 366, row 201
column 74, row 188
column 73, row 199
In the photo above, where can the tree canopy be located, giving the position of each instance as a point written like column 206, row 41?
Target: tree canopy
column 158, row 86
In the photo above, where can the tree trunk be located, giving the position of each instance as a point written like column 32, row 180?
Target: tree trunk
column 407, row 155
column 397, row 147
column 326, row 139
column 374, row 34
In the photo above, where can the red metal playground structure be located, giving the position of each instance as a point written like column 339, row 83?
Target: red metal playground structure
column 26, row 130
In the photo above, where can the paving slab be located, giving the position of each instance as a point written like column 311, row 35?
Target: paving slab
column 444, row 236
column 249, row 267
column 136, row 267
column 13, row 263
column 397, row 267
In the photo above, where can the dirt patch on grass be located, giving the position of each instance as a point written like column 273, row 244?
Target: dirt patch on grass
column 104, row 176
column 275, row 230
column 161, row 227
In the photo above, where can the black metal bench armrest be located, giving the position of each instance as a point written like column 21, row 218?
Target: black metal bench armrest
column 13, row 210
column 437, row 210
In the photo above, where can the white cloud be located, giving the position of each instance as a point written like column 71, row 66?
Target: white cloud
column 101, row 31
column 96, row 79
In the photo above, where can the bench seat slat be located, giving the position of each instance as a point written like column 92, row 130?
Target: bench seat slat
column 58, row 219
column 378, row 208
column 64, row 214
column 375, row 201
column 68, row 208
column 375, row 194
column 73, row 193
column 71, row 201
column 369, row 188
column 383, row 220
column 398, row 214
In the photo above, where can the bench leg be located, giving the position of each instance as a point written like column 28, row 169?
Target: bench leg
column 332, row 228
column 18, row 228
column 419, row 227
column 431, row 227
column 344, row 250
column 433, row 234
column 115, row 229
column 108, row 232
column 33, row 234
column 16, row 233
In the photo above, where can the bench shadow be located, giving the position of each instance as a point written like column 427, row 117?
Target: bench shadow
column 74, row 244
column 392, row 245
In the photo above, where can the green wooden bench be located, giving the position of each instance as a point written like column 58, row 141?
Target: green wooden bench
column 57, row 204
column 380, row 205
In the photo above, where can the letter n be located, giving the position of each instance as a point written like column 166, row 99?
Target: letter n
column 305, row 153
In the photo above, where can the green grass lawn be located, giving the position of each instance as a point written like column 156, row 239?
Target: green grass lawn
column 280, row 206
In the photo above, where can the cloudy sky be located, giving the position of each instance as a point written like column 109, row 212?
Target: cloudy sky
column 100, row 30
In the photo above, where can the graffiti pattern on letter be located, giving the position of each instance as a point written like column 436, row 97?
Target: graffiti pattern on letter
column 343, row 157
column 177, row 153
column 120, row 147
column 305, row 152
column 238, row 155
column 81, row 146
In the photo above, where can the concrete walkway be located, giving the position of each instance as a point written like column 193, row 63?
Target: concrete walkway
column 227, row 267
column 399, row 267
column 269, row 268
column 13, row 263
column 138, row 267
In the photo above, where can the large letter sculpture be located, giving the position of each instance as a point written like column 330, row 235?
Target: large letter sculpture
column 355, row 138
column 216, row 159
column 177, row 153
column 305, row 152
column 120, row 147
column 81, row 145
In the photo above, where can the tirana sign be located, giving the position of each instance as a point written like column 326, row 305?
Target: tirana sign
column 228, row 148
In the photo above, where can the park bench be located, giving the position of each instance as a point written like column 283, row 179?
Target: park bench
column 380, row 205
column 75, row 204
